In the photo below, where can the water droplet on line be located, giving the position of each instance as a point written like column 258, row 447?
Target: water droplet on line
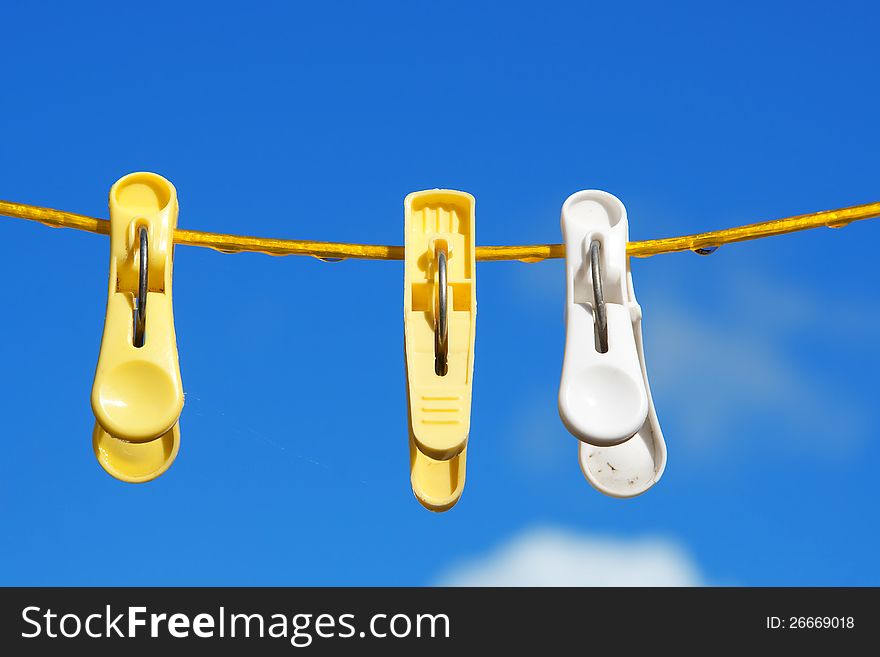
column 705, row 250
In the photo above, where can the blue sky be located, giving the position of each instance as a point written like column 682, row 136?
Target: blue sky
column 314, row 122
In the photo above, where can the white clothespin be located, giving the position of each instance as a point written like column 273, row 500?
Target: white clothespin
column 604, row 397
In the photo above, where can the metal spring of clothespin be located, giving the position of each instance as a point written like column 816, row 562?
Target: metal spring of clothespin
column 441, row 317
column 601, row 311
column 140, row 310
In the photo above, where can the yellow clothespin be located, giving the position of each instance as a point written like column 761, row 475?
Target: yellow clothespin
column 137, row 396
column 440, row 310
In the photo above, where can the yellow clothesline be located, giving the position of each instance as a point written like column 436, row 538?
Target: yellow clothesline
column 525, row 253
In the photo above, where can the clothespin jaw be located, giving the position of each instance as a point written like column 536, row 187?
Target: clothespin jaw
column 631, row 468
column 135, row 463
column 437, row 484
column 439, row 326
column 604, row 398
column 137, row 396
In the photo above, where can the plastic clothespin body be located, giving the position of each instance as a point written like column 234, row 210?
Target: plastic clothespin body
column 439, row 326
column 137, row 396
column 604, row 397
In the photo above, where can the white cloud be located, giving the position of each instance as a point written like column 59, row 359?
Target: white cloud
column 554, row 557
column 735, row 381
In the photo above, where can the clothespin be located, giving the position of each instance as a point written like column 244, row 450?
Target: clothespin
column 137, row 396
column 604, row 397
column 440, row 309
